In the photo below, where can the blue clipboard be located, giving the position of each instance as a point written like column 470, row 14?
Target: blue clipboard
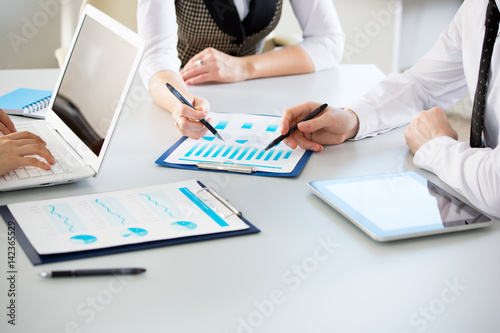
column 37, row 259
column 295, row 172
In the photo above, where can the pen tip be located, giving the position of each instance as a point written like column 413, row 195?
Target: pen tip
column 44, row 274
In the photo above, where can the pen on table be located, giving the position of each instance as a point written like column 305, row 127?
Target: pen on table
column 184, row 101
column 93, row 272
column 294, row 127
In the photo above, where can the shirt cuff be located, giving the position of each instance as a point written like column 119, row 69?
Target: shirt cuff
column 429, row 156
column 367, row 117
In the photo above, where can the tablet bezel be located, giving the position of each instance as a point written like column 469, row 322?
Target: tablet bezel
column 369, row 227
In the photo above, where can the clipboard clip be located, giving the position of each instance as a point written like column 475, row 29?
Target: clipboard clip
column 222, row 201
column 226, row 166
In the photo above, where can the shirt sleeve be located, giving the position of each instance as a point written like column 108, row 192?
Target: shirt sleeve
column 473, row 172
column 323, row 38
column 157, row 24
column 436, row 80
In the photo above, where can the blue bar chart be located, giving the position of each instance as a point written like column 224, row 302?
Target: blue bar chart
column 246, row 137
column 234, row 152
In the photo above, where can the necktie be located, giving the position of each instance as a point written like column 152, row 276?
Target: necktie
column 490, row 34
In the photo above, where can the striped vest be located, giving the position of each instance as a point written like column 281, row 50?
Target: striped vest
column 215, row 23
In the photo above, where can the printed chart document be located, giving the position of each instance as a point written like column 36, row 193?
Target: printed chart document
column 118, row 218
column 245, row 137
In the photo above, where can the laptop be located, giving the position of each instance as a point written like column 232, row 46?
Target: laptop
column 86, row 102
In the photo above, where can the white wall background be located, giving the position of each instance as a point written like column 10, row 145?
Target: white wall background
column 30, row 30
column 29, row 33
column 371, row 29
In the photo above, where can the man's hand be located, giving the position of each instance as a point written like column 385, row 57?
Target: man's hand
column 429, row 125
column 333, row 126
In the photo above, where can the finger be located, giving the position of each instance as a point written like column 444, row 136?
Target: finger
column 190, row 127
column 192, row 114
column 201, row 104
column 35, row 148
column 201, row 78
column 338, row 122
column 290, row 142
column 193, row 72
column 189, row 65
column 15, row 141
column 193, row 130
column 3, row 129
column 304, row 143
column 192, row 62
column 313, row 125
column 26, row 135
column 32, row 161
column 6, row 124
column 293, row 115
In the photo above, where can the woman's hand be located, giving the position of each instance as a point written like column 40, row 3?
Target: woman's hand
column 15, row 149
column 187, row 120
column 211, row 65
column 6, row 125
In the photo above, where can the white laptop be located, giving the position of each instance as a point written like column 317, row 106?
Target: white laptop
column 86, row 103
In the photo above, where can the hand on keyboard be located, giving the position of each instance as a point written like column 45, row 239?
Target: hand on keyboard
column 17, row 150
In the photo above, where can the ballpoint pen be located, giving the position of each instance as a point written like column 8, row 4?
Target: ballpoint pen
column 294, row 127
column 93, row 272
column 184, row 101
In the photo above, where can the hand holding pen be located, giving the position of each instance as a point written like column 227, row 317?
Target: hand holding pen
column 295, row 127
column 330, row 127
column 186, row 102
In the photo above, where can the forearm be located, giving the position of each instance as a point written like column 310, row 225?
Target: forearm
column 472, row 172
column 158, row 89
column 287, row 61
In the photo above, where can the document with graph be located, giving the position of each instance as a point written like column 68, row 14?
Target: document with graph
column 81, row 223
column 245, row 138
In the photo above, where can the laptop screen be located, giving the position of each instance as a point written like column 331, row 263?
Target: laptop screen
column 93, row 82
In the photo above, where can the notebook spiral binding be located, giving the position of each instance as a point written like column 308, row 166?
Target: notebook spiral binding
column 37, row 105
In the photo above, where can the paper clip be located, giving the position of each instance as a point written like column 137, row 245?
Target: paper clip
column 226, row 166
column 222, row 201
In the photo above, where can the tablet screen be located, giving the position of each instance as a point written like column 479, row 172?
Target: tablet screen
column 397, row 204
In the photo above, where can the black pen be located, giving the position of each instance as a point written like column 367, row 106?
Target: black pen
column 184, row 101
column 294, row 127
column 93, row 272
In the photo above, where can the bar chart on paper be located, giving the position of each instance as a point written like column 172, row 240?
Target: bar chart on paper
column 245, row 137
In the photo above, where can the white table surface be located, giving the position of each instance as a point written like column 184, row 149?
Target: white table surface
column 284, row 279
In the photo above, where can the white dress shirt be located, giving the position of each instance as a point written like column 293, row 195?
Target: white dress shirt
column 439, row 79
column 323, row 39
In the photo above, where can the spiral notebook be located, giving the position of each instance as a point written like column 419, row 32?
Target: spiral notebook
column 26, row 102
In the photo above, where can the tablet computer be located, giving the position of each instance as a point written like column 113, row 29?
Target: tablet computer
column 398, row 205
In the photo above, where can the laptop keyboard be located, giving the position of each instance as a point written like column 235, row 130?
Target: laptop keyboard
column 31, row 171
